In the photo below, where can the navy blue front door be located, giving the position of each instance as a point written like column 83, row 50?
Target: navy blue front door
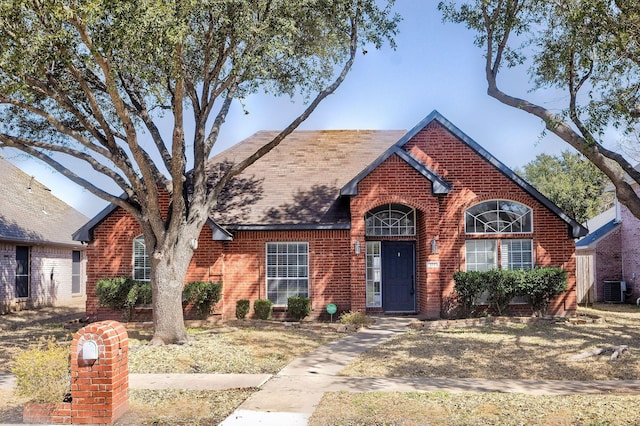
column 398, row 276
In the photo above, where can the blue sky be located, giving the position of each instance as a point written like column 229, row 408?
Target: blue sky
column 435, row 66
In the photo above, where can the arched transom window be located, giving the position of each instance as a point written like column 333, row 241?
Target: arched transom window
column 390, row 219
column 498, row 217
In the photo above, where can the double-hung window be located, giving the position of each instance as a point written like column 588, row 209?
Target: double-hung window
column 287, row 271
column 498, row 219
column 141, row 264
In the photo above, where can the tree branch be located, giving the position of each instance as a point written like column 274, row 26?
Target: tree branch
column 238, row 168
column 31, row 147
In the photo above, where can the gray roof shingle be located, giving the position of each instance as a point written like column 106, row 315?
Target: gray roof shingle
column 299, row 182
column 29, row 213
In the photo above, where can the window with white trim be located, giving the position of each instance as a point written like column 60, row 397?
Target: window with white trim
column 76, row 272
column 287, row 271
column 374, row 277
column 516, row 254
column 498, row 217
column 482, row 255
column 390, row 219
column 141, row 264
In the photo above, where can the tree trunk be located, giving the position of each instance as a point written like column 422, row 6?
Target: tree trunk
column 168, row 272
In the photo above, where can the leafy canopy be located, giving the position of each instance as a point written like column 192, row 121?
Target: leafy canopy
column 585, row 53
column 91, row 78
column 570, row 181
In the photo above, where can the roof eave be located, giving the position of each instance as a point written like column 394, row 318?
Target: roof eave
column 85, row 234
column 291, row 227
column 218, row 232
column 21, row 241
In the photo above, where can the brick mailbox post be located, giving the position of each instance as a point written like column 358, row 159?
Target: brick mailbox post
column 99, row 379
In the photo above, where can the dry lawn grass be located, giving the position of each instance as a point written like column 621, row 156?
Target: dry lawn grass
column 500, row 409
column 266, row 348
column 511, row 351
column 247, row 348
column 498, row 351
column 21, row 329
column 538, row 351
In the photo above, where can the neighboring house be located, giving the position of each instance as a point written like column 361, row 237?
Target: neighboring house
column 608, row 258
column 374, row 221
column 40, row 263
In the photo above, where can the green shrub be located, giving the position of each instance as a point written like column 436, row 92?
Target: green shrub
column 242, row 308
column 299, row 307
column 262, row 308
column 502, row 286
column 541, row 285
column 468, row 288
column 356, row 318
column 538, row 286
column 140, row 293
column 204, row 295
column 123, row 293
column 113, row 292
column 43, row 372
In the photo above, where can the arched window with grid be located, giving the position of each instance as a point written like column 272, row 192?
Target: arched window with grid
column 390, row 220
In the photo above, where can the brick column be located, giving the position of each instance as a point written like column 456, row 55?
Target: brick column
column 100, row 388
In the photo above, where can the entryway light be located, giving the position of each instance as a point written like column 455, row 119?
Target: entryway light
column 434, row 246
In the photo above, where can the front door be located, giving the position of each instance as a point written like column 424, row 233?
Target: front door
column 398, row 276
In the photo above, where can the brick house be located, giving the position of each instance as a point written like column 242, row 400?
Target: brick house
column 609, row 255
column 40, row 263
column 374, row 221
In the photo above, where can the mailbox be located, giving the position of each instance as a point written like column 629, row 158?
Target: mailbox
column 89, row 350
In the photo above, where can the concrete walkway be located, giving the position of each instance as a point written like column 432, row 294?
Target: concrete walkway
column 291, row 396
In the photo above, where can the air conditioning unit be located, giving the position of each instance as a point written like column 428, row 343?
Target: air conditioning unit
column 614, row 291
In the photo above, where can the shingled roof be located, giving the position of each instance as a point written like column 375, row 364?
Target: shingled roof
column 298, row 184
column 305, row 182
column 30, row 214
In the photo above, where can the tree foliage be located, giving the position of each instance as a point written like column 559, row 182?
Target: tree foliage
column 586, row 49
column 99, row 80
column 570, row 181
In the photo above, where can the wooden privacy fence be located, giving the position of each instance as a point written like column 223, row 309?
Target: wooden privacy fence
column 585, row 278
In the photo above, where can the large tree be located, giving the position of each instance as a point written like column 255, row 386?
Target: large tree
column 588, row 50
column 569, row 180
column 97, row 81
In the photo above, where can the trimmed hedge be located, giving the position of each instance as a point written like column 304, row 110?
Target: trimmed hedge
column 242, row 308
column 299, row 307
column 204, row 295
column 262, row 308
column 538, row 286
column 123, row 293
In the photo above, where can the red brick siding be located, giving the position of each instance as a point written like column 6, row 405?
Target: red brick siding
column 244, row 263
column 337, row 272
column 474, row 180
column 395, row 181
